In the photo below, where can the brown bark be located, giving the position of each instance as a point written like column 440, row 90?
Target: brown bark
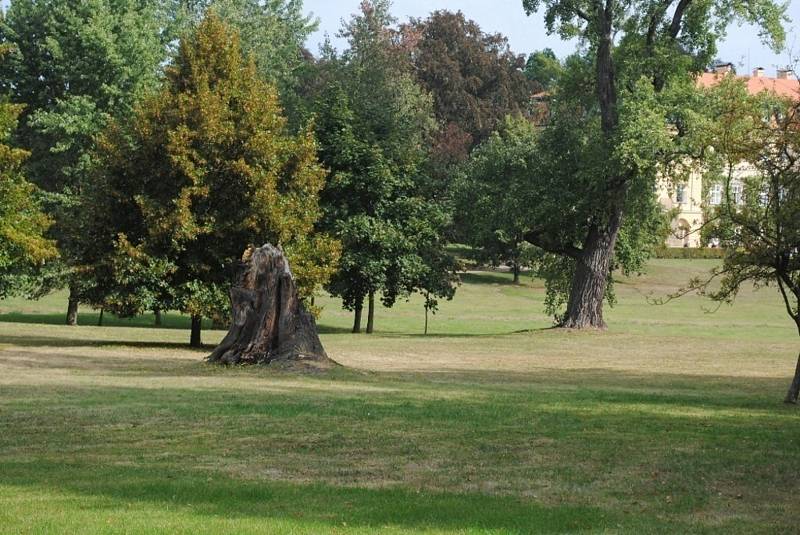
column 371, row 313
column 72, row 307
column 197, row 327
column 158, row 320
column 794, row 388
column 269, row 322
column 357, row 318
column 589, row 283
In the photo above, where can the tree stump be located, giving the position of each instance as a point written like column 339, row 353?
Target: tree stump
column 270, row 323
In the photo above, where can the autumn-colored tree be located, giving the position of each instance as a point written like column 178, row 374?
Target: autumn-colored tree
column 22, row 224
column 206, row 169
column 474, row 77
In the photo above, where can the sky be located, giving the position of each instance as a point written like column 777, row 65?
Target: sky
column 742, row 46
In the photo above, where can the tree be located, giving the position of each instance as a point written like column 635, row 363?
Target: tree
column 543, row 68
column 626, row 42
column 374, row 123
column 74, row 65
column 273, row 32
column 22, row 223
column 206, row 169
column 755, row 165
column 493, row 194
column 475, row 80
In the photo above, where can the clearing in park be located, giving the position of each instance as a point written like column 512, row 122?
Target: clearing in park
column 494, row 423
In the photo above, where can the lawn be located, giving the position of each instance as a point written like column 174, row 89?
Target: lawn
column 670, row 422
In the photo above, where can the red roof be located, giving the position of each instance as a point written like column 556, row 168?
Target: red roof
column 784, row 87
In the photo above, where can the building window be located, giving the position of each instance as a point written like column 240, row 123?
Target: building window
column 715, row 196
column 680, row 193
column 737, row 193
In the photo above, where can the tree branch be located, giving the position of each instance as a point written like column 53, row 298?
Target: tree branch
column 535, row 237
column 677, row 18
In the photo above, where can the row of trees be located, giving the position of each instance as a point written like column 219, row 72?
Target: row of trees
column 165, row 137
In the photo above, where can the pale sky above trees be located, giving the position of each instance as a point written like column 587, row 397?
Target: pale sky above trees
column 526, row 34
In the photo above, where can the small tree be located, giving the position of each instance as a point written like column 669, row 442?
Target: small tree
column 494, row 194
column 756, row 163
column 207, row 169
column 374, row 125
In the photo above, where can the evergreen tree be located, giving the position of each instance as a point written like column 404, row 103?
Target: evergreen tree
column 206, row 169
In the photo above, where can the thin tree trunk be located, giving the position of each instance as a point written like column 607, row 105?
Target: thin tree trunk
column 72, row 307
column 357, row 318
column 157, row 314
column 197, row 326
column 371, row 313
column 100, row 319
column 426, row 321
column 592, row 270
column 794, row 388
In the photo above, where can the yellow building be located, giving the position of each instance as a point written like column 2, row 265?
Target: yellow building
column 690, row 197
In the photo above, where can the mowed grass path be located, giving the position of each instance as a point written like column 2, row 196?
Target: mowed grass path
column 669, row 422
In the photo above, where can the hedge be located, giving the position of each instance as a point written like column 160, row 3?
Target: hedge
column 690, row 253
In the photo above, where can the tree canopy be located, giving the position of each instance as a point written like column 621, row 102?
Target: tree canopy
column 613, row 121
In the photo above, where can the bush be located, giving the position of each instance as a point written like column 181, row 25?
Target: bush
column 690, row 253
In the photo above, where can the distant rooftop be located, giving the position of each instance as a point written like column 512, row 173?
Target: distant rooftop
column 785, row 84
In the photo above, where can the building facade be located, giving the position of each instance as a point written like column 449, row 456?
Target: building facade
column 688, row 198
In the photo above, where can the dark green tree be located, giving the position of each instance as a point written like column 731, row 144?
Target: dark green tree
column 374, row 123
column 75, row 66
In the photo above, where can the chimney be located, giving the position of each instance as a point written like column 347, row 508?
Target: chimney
column 723, row 68
column 758, row 72
column 785, row 74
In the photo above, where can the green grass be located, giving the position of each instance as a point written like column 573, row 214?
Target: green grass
column 669, row 422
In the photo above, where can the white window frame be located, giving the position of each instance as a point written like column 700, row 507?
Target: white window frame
column 715, row 195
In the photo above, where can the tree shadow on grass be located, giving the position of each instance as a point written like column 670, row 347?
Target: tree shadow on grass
column 90, row 319
column 209, row 494
column 55, row 341
column 488, row 277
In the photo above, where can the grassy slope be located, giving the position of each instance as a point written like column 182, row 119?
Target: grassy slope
column 669, row 422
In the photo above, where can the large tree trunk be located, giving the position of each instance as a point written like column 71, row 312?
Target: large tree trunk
column 197, row 327
column 515, row 271
column 270, row 323
column 593, row 264
column 592, row 270
column 72, row 307
column 794, row 388
column 157, row 314
column 371, row 313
